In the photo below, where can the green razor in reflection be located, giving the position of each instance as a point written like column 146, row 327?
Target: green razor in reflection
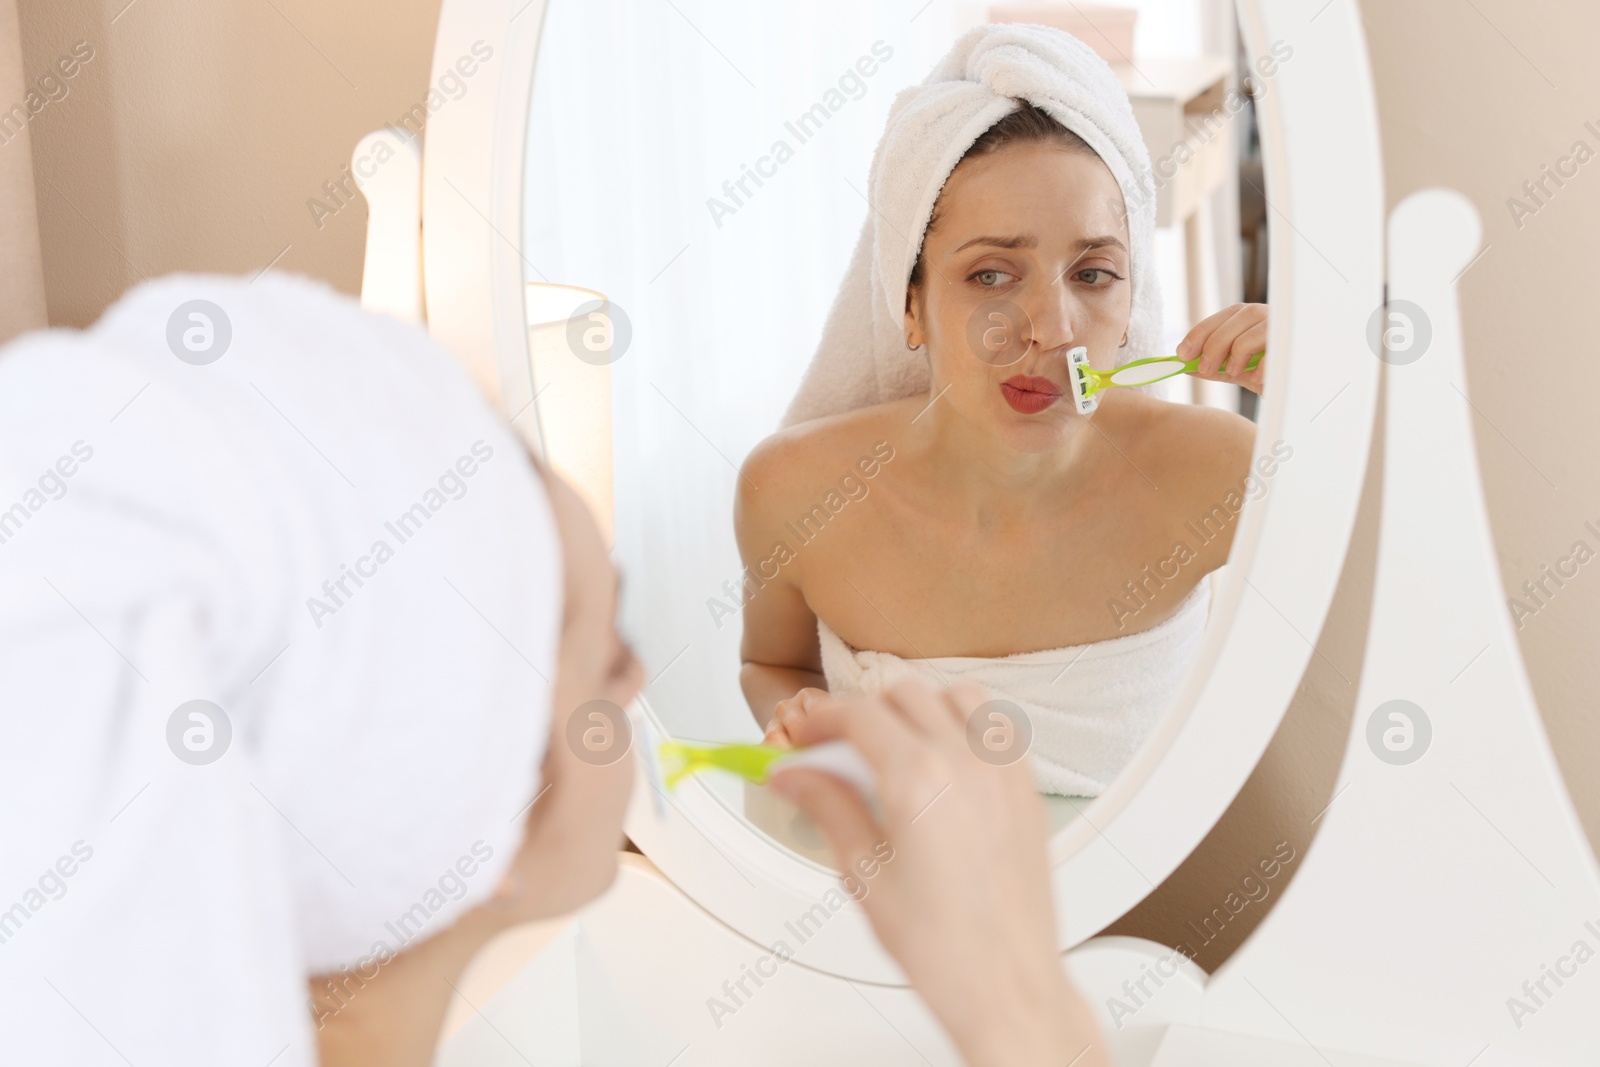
column 1087, row 381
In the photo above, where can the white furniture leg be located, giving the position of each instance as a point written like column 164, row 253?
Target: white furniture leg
column 1450, row 876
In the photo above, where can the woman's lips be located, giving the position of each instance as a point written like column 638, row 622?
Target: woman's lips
column 1028, row 394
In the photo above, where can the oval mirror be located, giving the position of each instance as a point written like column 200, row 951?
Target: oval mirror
column 1138, row 586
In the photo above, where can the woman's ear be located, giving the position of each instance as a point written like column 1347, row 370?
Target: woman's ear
column 912, row 329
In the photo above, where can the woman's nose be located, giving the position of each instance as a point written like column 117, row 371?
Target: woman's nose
column 1051, row 314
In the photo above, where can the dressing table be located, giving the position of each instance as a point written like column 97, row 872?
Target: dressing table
column 1445, row 871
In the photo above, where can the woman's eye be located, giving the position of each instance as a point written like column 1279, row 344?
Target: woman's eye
column 1096, row 276
column 988, row 278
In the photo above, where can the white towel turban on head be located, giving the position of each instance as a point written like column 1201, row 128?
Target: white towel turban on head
column 862, row 358
column 328, row 535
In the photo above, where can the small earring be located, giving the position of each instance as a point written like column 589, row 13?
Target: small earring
column 1124, row 343
column 909, row 346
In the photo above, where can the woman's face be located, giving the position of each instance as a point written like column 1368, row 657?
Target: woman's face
column 574, row 827
column 1028, row 260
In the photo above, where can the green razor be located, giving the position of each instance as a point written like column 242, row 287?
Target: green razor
column 677, row 759
column 1087, row 381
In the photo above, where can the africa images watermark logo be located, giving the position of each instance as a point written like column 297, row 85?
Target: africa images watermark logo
column 1399, row 332
column 199, row 732
column 803, row 128
column 1538, row 192
column 598, row 732
column 452, row 85
column 336, row 993
column 1536, row 992
column 737, row 992
column 1399, row 732
column 50, row 886
column 49, row 88
column 804, row 529
column 1537, row 593
column 199, row 332
column 1141, row 592
column 337, row 591
column 1202, row 129
column 50, row 486
column 1253, row 888
column 999, row 732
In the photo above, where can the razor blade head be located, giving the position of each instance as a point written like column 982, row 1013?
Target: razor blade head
column 1078, row 377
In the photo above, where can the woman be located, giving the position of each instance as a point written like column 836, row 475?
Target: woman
column 248, row 748
column 965, row 908
column 998, row 534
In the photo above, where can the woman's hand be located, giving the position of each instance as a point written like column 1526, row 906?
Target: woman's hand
column 1226, row 341
column 954, row 878
column 788, row 714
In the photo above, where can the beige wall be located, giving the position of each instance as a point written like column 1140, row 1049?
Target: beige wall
column 21, row 276
column 194, row 138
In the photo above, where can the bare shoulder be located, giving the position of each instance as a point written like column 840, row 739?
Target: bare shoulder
column 1205, row 438
column 800, row 464
column 1198, row 450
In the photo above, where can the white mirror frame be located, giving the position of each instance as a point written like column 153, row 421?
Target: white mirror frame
column 1324, row 184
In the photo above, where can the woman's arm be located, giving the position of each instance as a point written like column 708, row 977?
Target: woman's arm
column 766, row 688
column 781, row 660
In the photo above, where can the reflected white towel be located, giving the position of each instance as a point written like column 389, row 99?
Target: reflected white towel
column 862, row 358
column 1090, row 706
column 165, row 532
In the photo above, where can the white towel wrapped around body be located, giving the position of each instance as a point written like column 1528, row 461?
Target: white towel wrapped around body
column 330, row 536
column 1089, row 706
column 862, row 358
